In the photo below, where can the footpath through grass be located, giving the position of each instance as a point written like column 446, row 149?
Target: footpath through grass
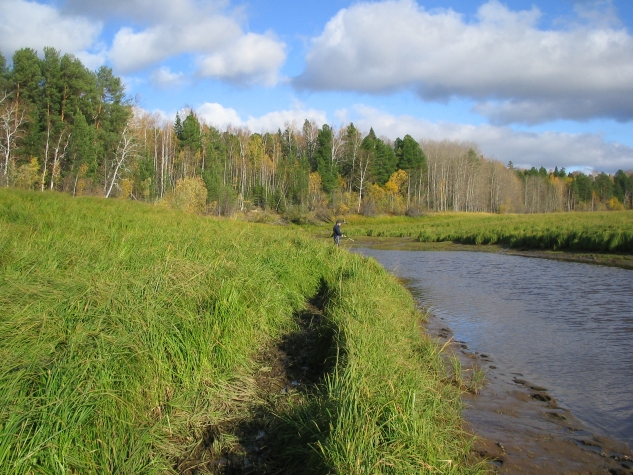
column 127, row 331
column 593, row 232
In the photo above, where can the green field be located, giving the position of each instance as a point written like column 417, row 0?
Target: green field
column 131, row 337
column 592, row 232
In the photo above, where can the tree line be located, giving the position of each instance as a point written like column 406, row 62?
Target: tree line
column 64, row 127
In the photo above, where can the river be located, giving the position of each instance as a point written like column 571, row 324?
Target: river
column 562, row 325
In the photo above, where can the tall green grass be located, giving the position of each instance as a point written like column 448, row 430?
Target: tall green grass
column 594, row 232
column 388, row 407
column 126, row 329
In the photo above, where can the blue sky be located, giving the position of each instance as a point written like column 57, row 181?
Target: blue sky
column 538, row 83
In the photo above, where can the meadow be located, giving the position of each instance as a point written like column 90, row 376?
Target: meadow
column 590, row 231
column 131, row 336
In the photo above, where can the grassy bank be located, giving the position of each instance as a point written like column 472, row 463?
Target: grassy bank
column 127, row 332
column 592, row 232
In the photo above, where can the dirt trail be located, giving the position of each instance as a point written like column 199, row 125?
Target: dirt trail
column 286, row 371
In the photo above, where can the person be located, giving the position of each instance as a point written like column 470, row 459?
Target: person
column 337, row 233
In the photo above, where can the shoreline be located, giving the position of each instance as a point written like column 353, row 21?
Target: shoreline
column 519, row 428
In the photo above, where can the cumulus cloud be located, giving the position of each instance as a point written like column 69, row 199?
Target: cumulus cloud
column 135, row 50
column 164, row 78
column 221, row 117
column 26, row 24
column 221, row 48
column 527, row 149
column 251, row 59
column 514, row 70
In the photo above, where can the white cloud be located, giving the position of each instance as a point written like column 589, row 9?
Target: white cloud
column 163, row 78
column 134, row 51
column 26, row 24
column 251, row 59
column 575, row 73
column 221, row 117
column 548, row 149
column 221, row 48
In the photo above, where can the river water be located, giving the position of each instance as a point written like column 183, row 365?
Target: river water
column 562, row 325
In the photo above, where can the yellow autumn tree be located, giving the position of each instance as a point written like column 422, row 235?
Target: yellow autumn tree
column 27, row 175
column 189, row 195
column 316, row 197
column 393, row 189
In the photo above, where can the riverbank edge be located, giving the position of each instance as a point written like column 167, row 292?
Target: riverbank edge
column 621, row 260
column 519, row 426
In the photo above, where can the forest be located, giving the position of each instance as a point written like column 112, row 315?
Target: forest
column 66, row 128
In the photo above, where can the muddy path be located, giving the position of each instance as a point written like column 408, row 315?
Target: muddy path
column 520, row 427
column 251, row 441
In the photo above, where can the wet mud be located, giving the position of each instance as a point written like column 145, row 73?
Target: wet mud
column 521, row 428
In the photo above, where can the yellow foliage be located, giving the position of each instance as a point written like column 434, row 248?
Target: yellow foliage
column 126, row 188
column 255, row 149
column 614, row 204
column 317, row 198
column 395, row 181
column 376, row 192
column 189, row 195
column 27, row 175
column 314, row 183
column 506, row 207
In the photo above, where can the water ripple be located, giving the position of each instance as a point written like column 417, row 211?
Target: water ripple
column 564, row 325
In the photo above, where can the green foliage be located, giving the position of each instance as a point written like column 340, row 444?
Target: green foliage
column 383, row 161
column 325, row 164
column 72, row 116
column 189, row 133
column 410, row 155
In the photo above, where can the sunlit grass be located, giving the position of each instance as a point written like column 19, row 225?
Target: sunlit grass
column 597, row 232
column 126, row 329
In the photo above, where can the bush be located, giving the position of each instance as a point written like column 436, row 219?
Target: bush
column 189, row 195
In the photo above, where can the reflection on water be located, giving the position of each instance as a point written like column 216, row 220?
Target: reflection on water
column 563, row 325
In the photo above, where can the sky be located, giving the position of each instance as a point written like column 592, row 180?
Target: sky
column 539, row 83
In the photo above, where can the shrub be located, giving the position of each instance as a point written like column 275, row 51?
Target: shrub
column 189, row 195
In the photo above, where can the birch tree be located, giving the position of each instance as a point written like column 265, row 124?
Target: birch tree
column 124, row 151
column 11, row 121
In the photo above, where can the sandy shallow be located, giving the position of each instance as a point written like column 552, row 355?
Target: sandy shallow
column 520, row 428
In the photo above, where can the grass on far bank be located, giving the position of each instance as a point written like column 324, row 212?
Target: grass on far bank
column 126, row 331
column 610, row 231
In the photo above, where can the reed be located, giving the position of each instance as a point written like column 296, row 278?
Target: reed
column 591, row 231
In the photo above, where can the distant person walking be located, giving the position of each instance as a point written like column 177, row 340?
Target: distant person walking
column 337, row 233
